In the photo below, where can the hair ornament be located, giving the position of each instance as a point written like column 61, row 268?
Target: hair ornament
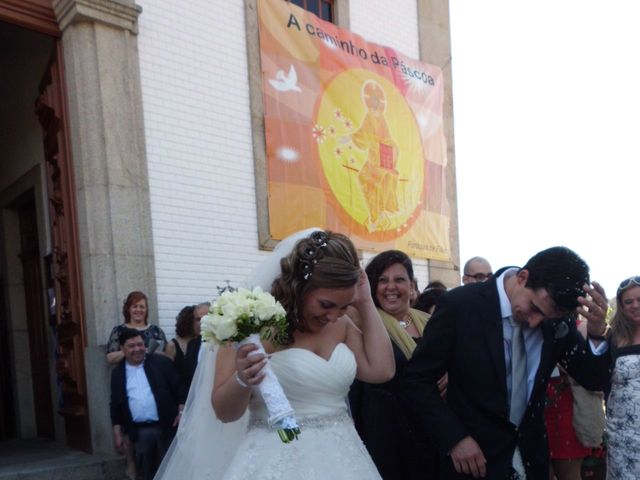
column 311, row 253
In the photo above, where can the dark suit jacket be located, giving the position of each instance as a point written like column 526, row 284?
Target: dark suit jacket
column 165, row 386
column 465, row 338
column 387, row 429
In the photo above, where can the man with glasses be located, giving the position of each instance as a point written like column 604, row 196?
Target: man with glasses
column 477, row 269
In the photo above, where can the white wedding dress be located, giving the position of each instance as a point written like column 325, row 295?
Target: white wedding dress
column 327, row 448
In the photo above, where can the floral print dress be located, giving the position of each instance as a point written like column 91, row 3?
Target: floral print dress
column 152, row 331
column 623, row 416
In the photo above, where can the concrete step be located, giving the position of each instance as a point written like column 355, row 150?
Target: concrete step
column 40, row 459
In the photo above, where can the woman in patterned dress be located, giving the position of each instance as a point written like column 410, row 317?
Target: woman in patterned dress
column 623, row 406
column 136, row 313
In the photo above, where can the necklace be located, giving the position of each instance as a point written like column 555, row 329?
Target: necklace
column 406, row 323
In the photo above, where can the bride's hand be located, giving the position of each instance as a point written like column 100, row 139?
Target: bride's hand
column 250, row 365
column 363, row 292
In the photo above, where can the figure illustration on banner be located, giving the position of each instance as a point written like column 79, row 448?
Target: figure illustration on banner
column 379, row 176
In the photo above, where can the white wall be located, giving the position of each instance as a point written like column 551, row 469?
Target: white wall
column 196, row 106
column 198, row 137
column 390, row 23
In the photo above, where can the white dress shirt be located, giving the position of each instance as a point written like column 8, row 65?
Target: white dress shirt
column 142, row 403
column 532, row 337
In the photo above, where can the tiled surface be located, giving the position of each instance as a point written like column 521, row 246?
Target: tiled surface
column 43, row 459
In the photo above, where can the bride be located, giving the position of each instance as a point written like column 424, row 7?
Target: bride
column 335, row 334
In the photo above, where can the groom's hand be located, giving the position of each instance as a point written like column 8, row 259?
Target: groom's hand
column 594, row 307
column 468, row 458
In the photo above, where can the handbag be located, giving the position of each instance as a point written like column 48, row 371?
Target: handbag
column 588, row 415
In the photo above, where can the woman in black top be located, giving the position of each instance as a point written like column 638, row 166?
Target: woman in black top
column 383, row 422
column 181, row 348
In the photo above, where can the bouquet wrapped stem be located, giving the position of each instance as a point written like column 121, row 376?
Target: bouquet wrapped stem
column 281, row 414
column 246, row 316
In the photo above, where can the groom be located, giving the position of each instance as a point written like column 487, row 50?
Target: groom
column 499, row 341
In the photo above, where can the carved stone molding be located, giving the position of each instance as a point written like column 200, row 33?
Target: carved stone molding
column 109, row 12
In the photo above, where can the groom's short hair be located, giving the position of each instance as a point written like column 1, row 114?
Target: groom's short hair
column 561, row 272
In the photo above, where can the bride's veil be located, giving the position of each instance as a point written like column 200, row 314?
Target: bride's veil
column 204, row 446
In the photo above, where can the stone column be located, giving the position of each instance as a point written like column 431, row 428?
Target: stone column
column 112, row 191
column 435, row 48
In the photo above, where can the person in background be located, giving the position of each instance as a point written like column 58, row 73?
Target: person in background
column 477, row 269
column 415, row 291
column 565, row 450
column 136, row 313
column 395, row 446
column 192, row 354
column 146, row 402
column 623, row 414
column 429, row 297
column 187, row 329
column 499, row 341
column 193, row 349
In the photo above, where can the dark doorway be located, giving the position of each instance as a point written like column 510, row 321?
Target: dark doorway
column 7, row 410
column 36, row 318
column 30, row 31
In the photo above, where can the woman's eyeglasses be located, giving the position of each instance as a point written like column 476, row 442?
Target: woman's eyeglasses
column 629, row 282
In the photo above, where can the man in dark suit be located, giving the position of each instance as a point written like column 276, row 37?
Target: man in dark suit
column 499, row 341
column 146, row 402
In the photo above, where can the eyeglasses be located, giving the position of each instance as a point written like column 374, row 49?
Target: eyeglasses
column 628, row 283
column 480, row 277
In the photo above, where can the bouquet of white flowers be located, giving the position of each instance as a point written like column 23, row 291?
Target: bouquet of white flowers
column 245, row 316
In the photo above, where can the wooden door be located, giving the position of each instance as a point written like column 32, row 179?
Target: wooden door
column 65, row 265
column 36, row 318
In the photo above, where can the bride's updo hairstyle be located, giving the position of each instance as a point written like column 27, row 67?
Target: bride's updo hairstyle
column 322, row 260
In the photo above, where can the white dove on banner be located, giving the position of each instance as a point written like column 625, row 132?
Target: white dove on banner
column 285, row 83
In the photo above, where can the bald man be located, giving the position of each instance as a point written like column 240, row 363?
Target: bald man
column 477, row 269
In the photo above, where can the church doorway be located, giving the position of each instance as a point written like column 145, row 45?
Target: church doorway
column 43, row 389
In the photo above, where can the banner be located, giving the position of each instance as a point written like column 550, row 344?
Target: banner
column 354, row 136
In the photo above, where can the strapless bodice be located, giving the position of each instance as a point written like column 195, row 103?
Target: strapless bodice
column 314, row 386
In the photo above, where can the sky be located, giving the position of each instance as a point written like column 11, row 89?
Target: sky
column 546, row 100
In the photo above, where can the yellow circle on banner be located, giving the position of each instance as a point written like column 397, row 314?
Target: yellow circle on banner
column 370, row 151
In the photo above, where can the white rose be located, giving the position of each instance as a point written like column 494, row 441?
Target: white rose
column 208, row 330
column 229, row 310
column 265, row 308
column 224, row 327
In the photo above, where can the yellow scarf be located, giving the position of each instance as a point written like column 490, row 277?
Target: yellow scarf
column 399, row 335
